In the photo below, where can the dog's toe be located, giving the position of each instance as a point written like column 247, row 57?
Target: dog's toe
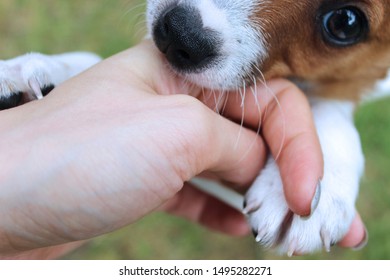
column 26, row 78
column 276, row 226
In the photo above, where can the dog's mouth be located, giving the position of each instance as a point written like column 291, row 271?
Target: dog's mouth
column 212, row 52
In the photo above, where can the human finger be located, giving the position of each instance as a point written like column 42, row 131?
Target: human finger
column 196, row 206
column 239, row 153
column 283, row 114
column 280, row 108
column 357, row 236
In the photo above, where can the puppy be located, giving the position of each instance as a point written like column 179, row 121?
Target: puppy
column 336, row 51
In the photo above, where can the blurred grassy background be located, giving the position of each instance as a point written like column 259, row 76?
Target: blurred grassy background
column 106, row 27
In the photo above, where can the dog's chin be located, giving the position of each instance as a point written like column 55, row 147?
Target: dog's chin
column 213, row 82
column 215, row 79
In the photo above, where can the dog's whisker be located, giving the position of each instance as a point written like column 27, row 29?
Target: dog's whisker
column 269, row 91
column 137, row 24
column 215, row 100
column 219, row 102
column 226, row 97
column 283, row 119
column 141, row 32
column 242, row 94
column 254, row 93
column 186, row 85
column 242, row 127
column 139, row 17
column 244, row 91
column 135, row 7
column 140, row 24
column 205, row 97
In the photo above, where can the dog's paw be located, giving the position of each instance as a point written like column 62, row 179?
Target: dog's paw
column 275, row 226
column 25, row 78
column 32, row 76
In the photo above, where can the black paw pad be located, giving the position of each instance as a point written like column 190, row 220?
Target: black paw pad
column 10, row 101
column 47, row 89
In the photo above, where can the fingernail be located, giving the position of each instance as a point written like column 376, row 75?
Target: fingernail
column 363, row 243
column 315, row 201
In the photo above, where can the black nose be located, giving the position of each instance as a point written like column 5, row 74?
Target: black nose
column 180, row 35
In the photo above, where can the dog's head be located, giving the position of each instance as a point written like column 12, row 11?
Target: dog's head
column 339, row 46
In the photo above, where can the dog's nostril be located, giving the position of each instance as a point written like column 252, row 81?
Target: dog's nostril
column 165, row 29
column 183, row 55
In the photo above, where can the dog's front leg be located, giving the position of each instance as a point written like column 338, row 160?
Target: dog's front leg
column 276, row 226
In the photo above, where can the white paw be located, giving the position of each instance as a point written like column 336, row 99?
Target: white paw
column 275, row 226
column 32, row 76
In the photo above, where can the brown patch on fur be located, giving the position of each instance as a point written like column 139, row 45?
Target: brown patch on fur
column 296, row 48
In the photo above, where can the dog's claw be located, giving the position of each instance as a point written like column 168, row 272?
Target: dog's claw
column 291, row 248
column 250, row 208
column 34, row 85
column 260, row 236
column 325, row 237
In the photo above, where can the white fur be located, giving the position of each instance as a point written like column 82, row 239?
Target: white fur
column 31, row 72
column 382, row 89
column 383, row 86
column 242, row 45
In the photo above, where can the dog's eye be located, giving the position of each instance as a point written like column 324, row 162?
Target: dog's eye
column 345, row 26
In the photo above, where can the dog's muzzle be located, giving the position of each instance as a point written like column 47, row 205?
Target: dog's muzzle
column 188, row 46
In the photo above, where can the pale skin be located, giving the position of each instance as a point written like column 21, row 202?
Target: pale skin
column 118, row 142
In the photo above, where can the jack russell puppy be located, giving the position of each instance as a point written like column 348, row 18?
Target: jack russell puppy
column 336, row 51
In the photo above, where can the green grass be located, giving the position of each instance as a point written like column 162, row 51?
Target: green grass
column 101, row 26
column 106, row 27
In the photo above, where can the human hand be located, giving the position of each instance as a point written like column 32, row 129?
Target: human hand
column 287, row 127
column 111, row 145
